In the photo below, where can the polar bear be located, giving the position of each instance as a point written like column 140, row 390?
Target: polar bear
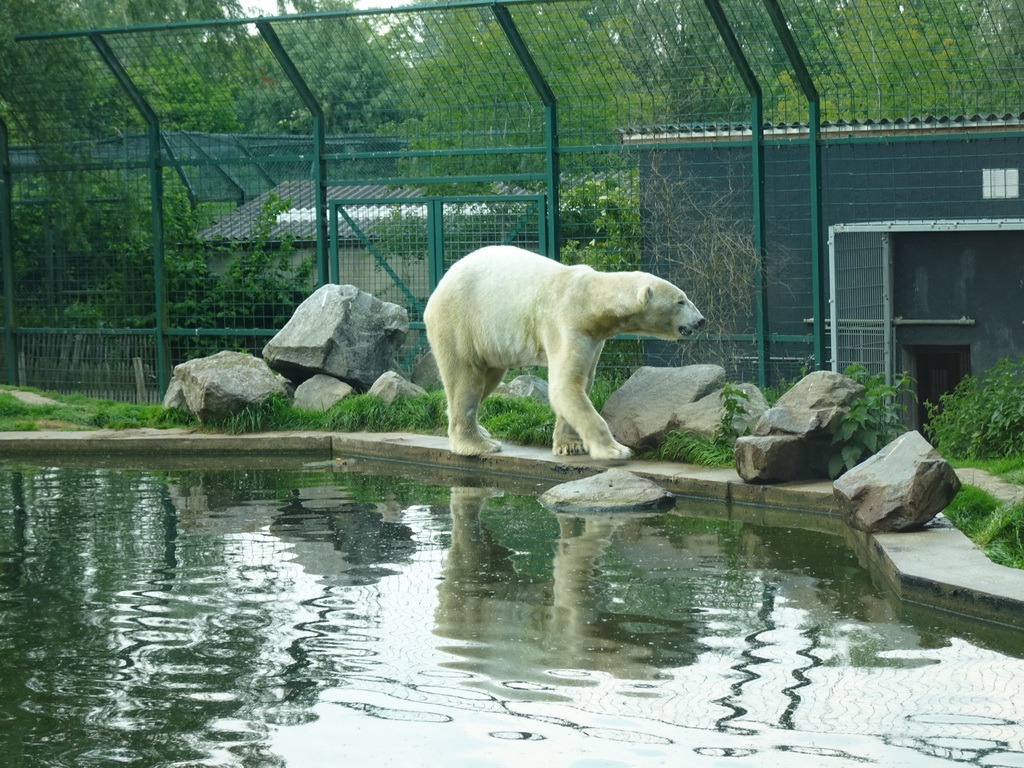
column 502, row 307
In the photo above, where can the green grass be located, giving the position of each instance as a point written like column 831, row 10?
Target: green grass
column 694, row 449
column 80, row 412
column 996, row 527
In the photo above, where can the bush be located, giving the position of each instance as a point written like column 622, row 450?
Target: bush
column 982, row 418
column 872, row 421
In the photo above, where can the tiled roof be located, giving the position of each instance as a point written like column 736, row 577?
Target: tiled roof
column 735, row 130
column 300, row 220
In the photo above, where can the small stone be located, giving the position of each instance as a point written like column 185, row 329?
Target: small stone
column 390, row 385
column 616, row 490
column 321, row 392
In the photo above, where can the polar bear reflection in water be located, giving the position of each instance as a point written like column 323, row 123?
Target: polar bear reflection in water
column 503, row 307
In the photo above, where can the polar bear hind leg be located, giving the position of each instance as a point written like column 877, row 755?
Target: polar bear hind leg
column 465, row 388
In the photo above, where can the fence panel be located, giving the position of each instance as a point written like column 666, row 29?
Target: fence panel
column 174, row 182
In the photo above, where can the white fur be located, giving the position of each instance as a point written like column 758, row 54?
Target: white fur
column 502, row 307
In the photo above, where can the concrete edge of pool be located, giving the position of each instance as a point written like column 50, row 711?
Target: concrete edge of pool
column 938, row 567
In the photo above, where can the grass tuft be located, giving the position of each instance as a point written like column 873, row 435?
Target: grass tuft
column 695, row 449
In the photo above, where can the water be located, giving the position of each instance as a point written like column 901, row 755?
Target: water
column 312, row 617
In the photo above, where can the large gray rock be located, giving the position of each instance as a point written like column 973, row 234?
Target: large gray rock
column 174, row 397
column 218, row 386
column 644, row 409
column 525, row 386
column 616, row 490
column 808, row 415
column 780, row 458
column 900, row 488
column 340, row 331
column 425, row 373
column 705, row 416
column 390, row 385
column 321, row 392
column 813, row 407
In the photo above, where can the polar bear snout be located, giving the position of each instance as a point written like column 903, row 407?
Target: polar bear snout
column 688, row 317
column 692, row 327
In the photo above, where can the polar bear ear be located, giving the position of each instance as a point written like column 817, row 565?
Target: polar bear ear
column 630, row 305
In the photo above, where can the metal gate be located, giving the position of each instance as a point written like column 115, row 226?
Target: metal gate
column 398, row 248
column 860, row 298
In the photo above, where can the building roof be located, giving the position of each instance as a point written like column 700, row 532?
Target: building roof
column 719, row 131
column 299, row 221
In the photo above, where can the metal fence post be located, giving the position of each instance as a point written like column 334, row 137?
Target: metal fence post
column 310, row 102
column 7, row 255
column 810, row 92
column 753, row 87
column 547, row 97
column 156, row 189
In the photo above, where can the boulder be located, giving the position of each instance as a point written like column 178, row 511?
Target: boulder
column 340, row 331
column 705, row 416
column 616, row 490
column 900, row 488
column 321, row 392
column 425, row 373
column 525, row 386
column 780, row 458
column 174, row 397
column 644, row 409
column 813, row 407
column 218, row 386
column 391, row 385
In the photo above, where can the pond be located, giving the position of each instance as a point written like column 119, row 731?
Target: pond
column 318, row 616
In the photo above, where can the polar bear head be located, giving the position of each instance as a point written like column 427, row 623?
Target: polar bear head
column 658, row 308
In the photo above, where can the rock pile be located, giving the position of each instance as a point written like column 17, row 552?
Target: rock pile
column 340, row 340
column 793, row 439
column 656, row 401
column 902, row 487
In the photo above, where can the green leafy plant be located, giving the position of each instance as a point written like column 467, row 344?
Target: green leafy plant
column 734, row 401
column 982, row 418
column 872, row 421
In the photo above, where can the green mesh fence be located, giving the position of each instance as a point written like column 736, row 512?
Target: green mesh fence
column 171, row 191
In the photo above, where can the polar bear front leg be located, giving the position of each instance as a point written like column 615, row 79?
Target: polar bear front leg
column 567, row 441
column 579, row 428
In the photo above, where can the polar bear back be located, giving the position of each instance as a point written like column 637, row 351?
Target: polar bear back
column 492, row 304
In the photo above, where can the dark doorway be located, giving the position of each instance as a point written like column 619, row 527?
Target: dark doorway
column 938, row 370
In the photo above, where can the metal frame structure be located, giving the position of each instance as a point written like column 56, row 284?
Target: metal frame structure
column 790, row 61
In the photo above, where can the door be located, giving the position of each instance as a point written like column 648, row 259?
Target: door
column 937, row 370
column 398, row 248
column 860, row 298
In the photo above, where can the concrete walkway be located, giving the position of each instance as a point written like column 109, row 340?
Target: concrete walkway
column 937, row 567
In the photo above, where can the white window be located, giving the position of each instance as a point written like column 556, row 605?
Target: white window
column 1000, row 183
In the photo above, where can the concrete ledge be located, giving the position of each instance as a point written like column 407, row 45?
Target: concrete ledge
column 160, row 442
column 938, row 567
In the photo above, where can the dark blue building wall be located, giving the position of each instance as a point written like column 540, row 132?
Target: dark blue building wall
column 862, row 180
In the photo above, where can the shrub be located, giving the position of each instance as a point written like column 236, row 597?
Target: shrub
column 872, row 421
column 982, row 418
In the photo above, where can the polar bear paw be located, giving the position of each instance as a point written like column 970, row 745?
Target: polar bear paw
column 478, row 447
column 613, row 452
column 569, row 448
